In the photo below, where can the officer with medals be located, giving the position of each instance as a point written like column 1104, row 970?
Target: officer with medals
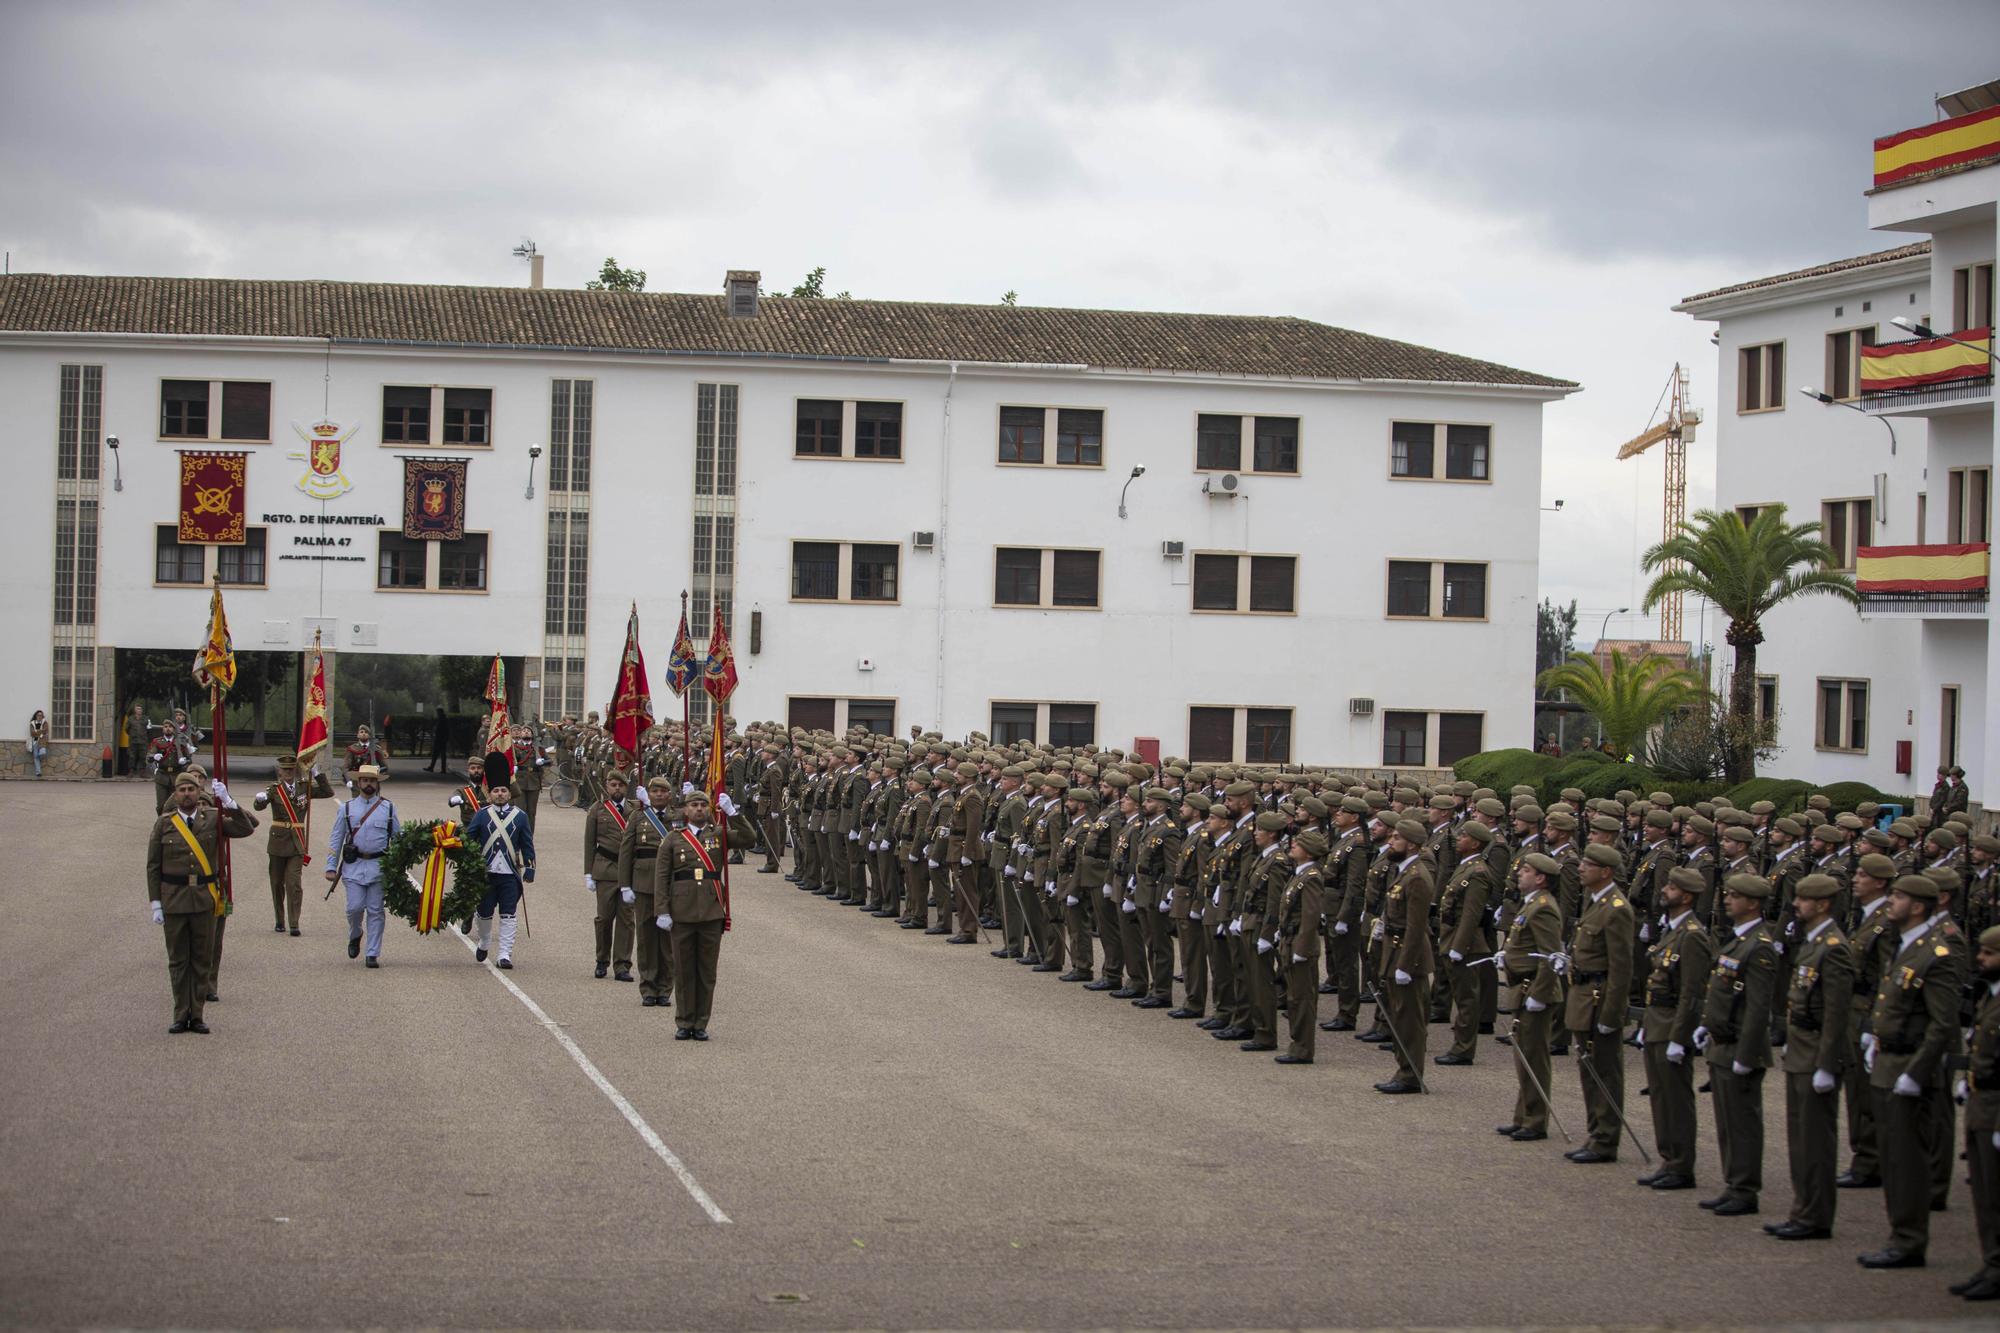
column 182, row 856
column 692, row 903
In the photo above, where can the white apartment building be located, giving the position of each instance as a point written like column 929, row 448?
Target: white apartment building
column 1260, row 539
column 1887, row 694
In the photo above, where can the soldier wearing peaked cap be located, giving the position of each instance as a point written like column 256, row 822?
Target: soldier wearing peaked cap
column 183, row 854
column 290, row 799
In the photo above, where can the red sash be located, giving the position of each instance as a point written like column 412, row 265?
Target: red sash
column 285, row 799
column 699, row 850
column 470, row 796
column 619, row 815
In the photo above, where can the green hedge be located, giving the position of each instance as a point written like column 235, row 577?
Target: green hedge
column 1504, row 769
column 1599, row 775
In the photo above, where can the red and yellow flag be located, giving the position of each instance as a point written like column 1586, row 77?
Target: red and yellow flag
column 1921, row 362
column 215, row 664
column 1957, row 142
column 632, row 703
column 496, row 696
column 313, row 735
column 1921, row 569
column 437, row 869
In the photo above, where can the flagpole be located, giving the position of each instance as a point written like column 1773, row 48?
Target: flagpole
column 687, row 706
column 305, row 688
column 219, row 734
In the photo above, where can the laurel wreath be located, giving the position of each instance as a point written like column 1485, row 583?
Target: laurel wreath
column 403, row 869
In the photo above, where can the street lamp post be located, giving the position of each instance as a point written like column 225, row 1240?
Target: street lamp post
column 1828, row 399
column 1602, row 630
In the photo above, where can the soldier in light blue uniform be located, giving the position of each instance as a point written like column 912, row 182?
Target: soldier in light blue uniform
column 361, row 833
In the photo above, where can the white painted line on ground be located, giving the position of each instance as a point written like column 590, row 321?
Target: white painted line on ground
column 605, row 1086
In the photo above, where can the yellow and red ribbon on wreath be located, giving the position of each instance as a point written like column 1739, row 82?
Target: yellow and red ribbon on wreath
column 437, row 870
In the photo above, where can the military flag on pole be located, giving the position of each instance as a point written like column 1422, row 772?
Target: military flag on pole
column 215, row 664
column 313, row 735
column 632, row 703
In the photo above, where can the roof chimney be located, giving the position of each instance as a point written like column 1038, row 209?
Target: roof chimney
column 741, row 287
column 535, row 272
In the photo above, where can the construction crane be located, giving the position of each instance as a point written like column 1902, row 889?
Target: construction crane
column 1677, row 430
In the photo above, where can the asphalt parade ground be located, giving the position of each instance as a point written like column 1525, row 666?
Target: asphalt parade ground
column 885, row 1131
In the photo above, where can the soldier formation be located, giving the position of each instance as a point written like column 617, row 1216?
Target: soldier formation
column 1834, row 945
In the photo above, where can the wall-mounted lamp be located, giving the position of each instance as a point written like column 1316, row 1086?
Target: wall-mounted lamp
column 534, row 452
column 117, row 471
column 1555, row 508
column 1137, row 473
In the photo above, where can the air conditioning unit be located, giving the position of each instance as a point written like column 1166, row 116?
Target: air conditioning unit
column 1361, row 708
column 1173, row 550
column 923, row 541
column 1222, row 487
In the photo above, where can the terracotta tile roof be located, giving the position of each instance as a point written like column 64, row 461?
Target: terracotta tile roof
column 1911, row 251
column 696, row 324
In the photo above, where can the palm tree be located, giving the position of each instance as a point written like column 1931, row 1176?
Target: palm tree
column 1746, row 570
column 1629, row 700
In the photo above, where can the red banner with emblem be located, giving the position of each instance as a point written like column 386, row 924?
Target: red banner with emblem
column 434, row 499
column 212, row 506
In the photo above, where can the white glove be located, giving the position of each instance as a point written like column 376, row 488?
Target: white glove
column 1454, row 955
column 1167, row 903
column 1646, row 932
column 1128, row 906
column 455, row 800
column 1340, row 927
column 1559, row 963
column 159, row 915
column 643, row 796
column 1264, row 946
column 1868, row 1044
column 1640, row 1036
column 549, row 750
column 1738, row 1068
column 1996, row 1140
column 1960, row 1090
column 1107, row 892
column 1403, row 979
column 626, row 894
column 1010, row 872
column 222, row 796
column 1131, row 881
column 1535, row 1006
column 663, row 921
column 262, row 799
column 913, row 858
column 1702, row 1037
column 1236, row 926
column 1907, row 1087
column 1676, row 1053
column 965, row 860
column 686, row 787
column 590, row 883
column 1298, row 958
column 1070, row 900
column 854, row 835
column 932, row 864
column 728, row 807
column 1823, row 1081
column 1605, row 1029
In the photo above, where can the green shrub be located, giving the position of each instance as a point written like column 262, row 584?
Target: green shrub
column 1596, row 778
column 1787, row 794
column 1847, row 795
column 1503, row 769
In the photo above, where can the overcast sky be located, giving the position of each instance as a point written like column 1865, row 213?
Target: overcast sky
column 1531, row 183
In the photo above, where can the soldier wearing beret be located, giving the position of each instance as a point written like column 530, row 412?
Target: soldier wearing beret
column 1008, row 813
column 1678, row 967
column 1821, row 988
column 967, row 826
column 648, row 829
column 1124, row 886
column 1463, row 917
column 1871, row 943
column 913, row 823
column 1297, row 941
column 1256, row 915
column 1229, row 870
column 604, row 828
column 1159, row 855
column 1982, row 1120
column 938, row 860
column 1534, row 939
column 1982, row 885
column 1403, row 959
column 183, row 856
column 1046, row 838
column 1096, row 895
column 1698, row 855
column 1344, row 879
column 1735, row 1038
column 1911, row 1030
column 1600, row 969
column 1187, row 902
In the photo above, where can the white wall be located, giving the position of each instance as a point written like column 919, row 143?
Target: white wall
column 1142, row 659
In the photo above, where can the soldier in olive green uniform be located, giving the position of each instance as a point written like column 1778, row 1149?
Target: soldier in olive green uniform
column 1534, row 938
column 1462, row 916
column 290, row 801
column 1678, row 967
column 1083, row 826
column 645, row 832
column 1403, row 958
column 1268, row 871
column 1911, row 1030
column 1600, row 969
column 183, row 855
column 1190, row 872
column 1871, row 942
column 1228, row 825
column 1735, row 1038
column 1007, row 814
column 1046, row 836
column 1820, row 999
column 1159, row 857
column 1982, row 1120
column 916, row 818
column 603, row 834
column 1344, row 872
column 1296, row 935
column 962, row 846
column 691, row 904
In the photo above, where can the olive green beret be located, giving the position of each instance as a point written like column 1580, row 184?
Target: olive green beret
column 1747, row 886
column 1270, row 821
column 1195, row 801
column 1986, row 842
column 1830, row 834
column 1875, row 837
column 1701, row 824
column 1598, row 854
column 1562, row 808
column 1868, row 809
column 1989, row 939
column 1877, row 866
column 1572, row 794
column 1542, row 863
column 1407, row 795
column 1627, row 795
column 1354, row 805
column 1722, row 803
column 1485, row 794
column 1088, row 795
column 1464, row 787
column 1788, row 826
column 1816, row 886
column 1314, row 806
column 1818, row 802
column 1916, row 886
column 1240, row 789
column 1054, row 780
column 1903, row 828
column 1013, row 771
column 1376, row 801
column 1530, row 813
column 1942, row 837
column 1158, row 794
column 1659, row 819
column 1491, row 808
column 1661, row 798
column 1852, row 823
column 1562, row 821
column 1411, row 831
column 1476, row 831
column 1443, row 802
column 1118, row 779
column 1685, row 878
column 1604, row 824
column 1520, row 789
column 1946, row 878
column 1706, row 809
column 1763, row 808
column 1313, row 841
column 1737, row 833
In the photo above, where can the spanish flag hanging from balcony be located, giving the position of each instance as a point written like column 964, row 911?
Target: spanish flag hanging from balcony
column 1957, row 142
column 1922, row 362
column 1921, row 570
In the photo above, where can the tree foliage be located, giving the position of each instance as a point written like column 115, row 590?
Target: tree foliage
column 1555, row 635
column 1747, row 570
column 1010, row 297
column 1630, row 699
column 612, row 278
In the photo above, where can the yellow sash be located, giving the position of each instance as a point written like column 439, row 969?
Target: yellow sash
column 201, row 859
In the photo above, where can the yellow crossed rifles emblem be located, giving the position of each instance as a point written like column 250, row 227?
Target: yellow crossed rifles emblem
column 212, row 499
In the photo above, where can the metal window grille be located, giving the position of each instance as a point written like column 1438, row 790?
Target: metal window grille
column 559, row 410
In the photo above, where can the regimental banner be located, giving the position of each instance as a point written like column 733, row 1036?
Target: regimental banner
column 434, row 499
column 212, row 498
column 1922, row 362
column 1961, row 141
column 1921, row 570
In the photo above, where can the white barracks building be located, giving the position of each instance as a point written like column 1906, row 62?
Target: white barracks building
column 1859, row 393
column 909, row 514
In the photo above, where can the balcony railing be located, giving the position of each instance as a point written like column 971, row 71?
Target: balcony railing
column 1922, row 371
column 1923, row 580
